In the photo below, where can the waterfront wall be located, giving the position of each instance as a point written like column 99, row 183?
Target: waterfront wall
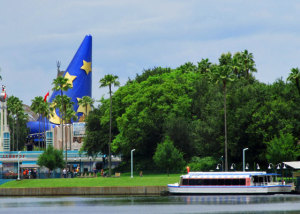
column 64, row 191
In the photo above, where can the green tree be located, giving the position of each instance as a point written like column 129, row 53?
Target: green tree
column 63, row 103
column 61, row 84
column 282, row 148
column 295, row 78
column 224, row 74
column 109, row 80
column 85, row 102
column 202, row 164
column 51, row 158
column 168, row 157
column 15, row 110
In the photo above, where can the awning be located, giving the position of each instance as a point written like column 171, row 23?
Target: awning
column 293, row 164
column 29, row 166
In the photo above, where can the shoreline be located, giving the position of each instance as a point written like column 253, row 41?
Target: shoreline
column 65, row 191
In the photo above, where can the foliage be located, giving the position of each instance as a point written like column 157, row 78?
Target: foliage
column 186, row 105
column 17, row 120
column 86, row 101
column 282, row 148
column 202, row 164
column 51, row 158
column 168, row 157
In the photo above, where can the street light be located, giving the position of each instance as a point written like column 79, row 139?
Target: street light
column 244, row 158
column 232, row 166
column 247, row 166
column 19, row 152
column 90, row 163
column 270, row 166
column 257, row 166
column 80, row 164
column 132, row 162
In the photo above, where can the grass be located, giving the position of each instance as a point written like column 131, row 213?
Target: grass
column 124, row 180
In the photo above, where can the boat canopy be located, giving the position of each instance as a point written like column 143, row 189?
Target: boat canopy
column 225, row 174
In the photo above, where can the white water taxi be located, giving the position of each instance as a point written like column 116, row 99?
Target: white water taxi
column 229, row 183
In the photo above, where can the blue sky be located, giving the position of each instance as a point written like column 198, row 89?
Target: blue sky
column 132, row 35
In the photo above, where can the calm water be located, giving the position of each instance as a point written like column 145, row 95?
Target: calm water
column 289, row 204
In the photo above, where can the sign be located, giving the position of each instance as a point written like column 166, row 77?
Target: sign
column 79, row 129
column 12, row 156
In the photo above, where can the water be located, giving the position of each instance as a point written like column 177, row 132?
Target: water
column 287, row 204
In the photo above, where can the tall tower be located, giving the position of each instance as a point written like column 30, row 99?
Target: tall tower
column 4, row 129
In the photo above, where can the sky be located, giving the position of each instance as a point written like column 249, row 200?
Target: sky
column 132, row 35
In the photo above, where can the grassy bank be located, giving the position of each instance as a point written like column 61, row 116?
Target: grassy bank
column 123, row 180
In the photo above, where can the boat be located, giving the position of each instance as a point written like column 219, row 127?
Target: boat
column 229, row 183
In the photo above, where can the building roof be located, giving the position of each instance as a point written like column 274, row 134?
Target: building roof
column 293, row 164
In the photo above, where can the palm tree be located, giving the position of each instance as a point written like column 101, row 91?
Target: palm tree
column 109, row 80
column 295, row 77
column 14, row 106
column 204, row 66
column 247, row 62
column 70, row 115
column 85, row 102
column 224, row 74
column 61, row 84
column 37, row 107
column 46, row 112
column 63, row 103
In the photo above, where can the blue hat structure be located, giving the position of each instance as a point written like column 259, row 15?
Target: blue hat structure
column 79, row 75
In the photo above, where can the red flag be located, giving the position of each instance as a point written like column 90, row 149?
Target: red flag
column 45, row 98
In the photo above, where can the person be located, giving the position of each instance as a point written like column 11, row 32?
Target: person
column 65, row 172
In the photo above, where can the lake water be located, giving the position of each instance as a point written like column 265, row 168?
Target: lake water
column 287, row 204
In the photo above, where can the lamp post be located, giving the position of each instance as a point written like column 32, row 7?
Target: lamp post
column 90, row 163
column 244, row 158
column 232, row 166
column 19, row 152
column 132, row 162
column 80, row 164
column 218, row 166
column 257, row 166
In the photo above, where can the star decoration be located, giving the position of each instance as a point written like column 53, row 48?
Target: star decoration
column 82, row 108
column 54, row 118
column 87, row 66
column 70, row 78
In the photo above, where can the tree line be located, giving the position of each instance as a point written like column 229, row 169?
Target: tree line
column 200, row 112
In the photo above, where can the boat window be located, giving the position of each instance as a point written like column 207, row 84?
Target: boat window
column 260, row 179
column 185, row 181
column 214, row 182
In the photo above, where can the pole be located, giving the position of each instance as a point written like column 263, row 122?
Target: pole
column 244, row 159
column 19, row 165
column 132, row 162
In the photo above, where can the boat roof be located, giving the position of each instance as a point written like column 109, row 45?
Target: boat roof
column 225, row 174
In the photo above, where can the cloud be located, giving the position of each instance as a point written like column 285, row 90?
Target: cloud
column 132, row 35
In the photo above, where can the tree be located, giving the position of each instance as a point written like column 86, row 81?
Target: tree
column 15, row 109
column 202, row 164
column 282, row 148
column 248, row 64
column 224, row 74
column 63, row 103
column 61, row 84
column 40, row 107
column 109, row 80
column 295, row 77
column 51, row 158
column 85, row 102
column 168, row 157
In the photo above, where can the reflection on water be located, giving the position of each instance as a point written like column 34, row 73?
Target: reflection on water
column 286, row 204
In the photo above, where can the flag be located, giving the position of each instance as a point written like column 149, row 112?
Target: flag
column 45, row 98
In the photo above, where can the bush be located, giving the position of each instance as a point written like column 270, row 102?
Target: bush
column 202, row 164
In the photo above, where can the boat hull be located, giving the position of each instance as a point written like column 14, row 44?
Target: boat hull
column 229, row 189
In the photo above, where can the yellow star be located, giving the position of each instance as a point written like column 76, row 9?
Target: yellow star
column 70, row 78
column 82, row 109
column 54, row 118
column 87, row 66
